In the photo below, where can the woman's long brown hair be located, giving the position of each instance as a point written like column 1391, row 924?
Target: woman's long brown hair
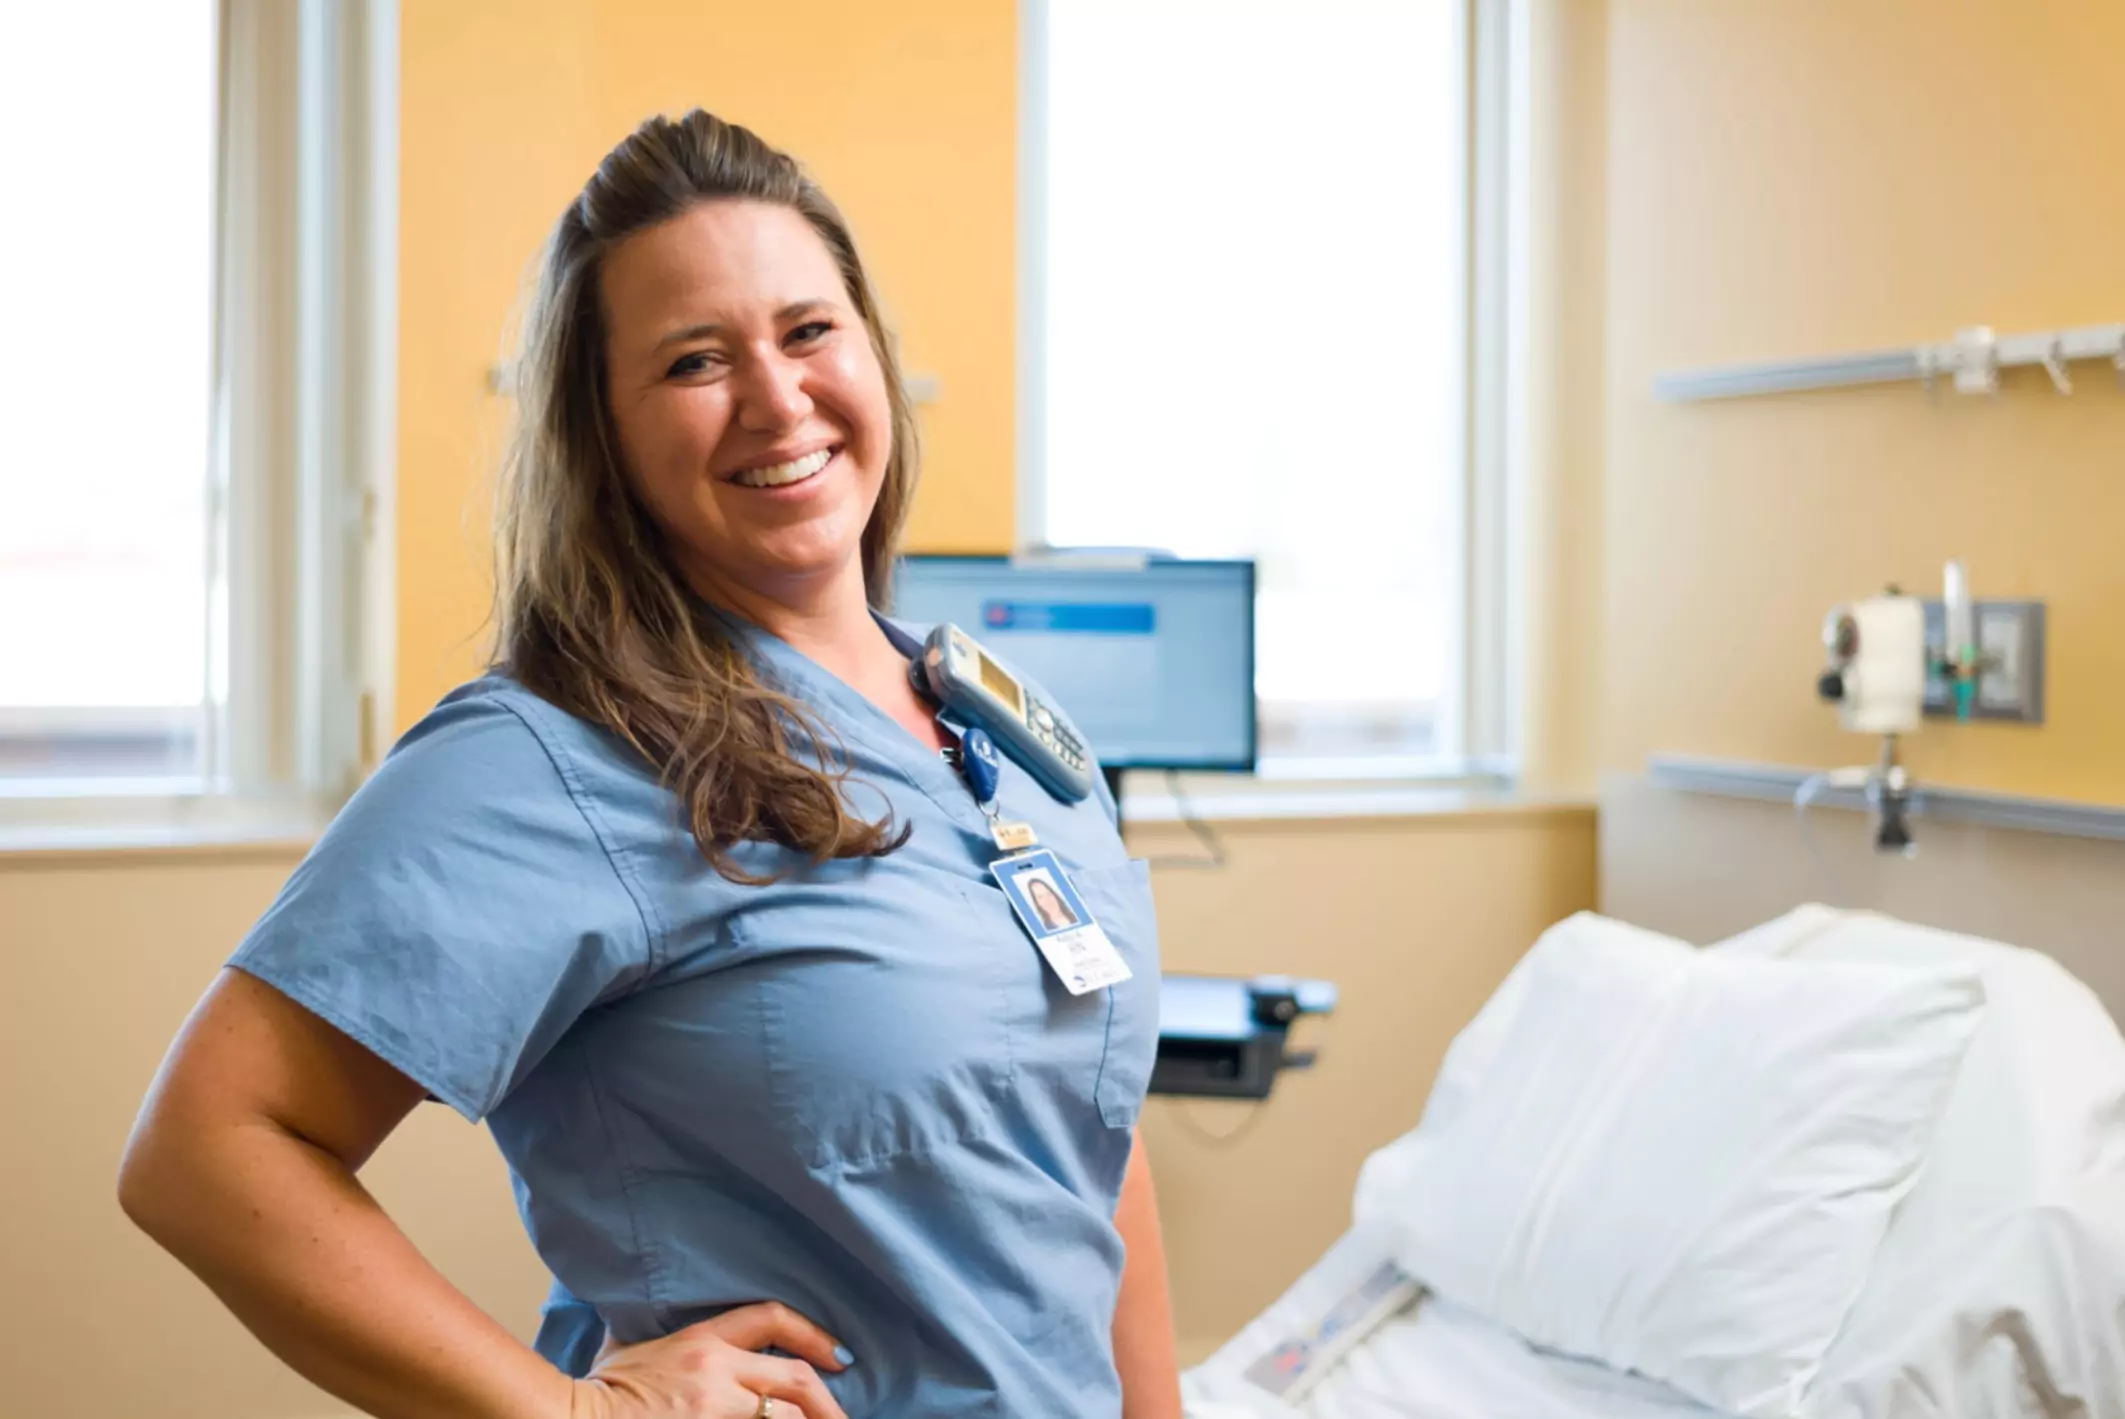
column 590, row 611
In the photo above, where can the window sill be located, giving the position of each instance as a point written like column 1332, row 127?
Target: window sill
column 48, row 828
column 48, row 824
column 1299, row 791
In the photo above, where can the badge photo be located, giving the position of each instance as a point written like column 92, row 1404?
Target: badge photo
column 1044, row 898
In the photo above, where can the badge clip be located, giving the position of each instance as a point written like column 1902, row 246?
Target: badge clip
column 977, row 762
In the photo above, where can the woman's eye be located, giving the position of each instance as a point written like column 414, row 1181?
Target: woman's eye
column 810, row 330
column 696, row 363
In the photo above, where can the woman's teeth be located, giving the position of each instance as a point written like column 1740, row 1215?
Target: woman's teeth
column 776, row 475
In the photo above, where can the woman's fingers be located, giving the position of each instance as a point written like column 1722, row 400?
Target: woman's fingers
column 771, row 1323
column 789, row 1382
column 715, row 1368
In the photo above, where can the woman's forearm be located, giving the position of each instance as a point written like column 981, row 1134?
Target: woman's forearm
column 1143, row 1315
column 307, row 1260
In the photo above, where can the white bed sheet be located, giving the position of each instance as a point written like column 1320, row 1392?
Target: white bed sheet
column 1432, row 1361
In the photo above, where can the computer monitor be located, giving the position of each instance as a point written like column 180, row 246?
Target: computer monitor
column 1151, row 657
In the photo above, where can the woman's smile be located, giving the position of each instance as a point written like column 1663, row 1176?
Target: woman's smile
column 783, row 474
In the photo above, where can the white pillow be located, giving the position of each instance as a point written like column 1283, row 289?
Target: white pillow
column 1386, row 1173
column 1679, row 1163
column 2000, row 1287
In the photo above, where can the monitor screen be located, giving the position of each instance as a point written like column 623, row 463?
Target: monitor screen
column 1153, row 661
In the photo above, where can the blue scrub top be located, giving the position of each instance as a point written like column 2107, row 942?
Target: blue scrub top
column 858, row 1091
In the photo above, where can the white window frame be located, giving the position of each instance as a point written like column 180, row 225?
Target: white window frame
column 302, row 434
column 1500, row 323
column 1484, row 715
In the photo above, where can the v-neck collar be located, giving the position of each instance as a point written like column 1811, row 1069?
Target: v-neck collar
column 850, row 714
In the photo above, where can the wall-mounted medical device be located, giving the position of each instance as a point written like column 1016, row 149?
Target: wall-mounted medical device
column 1227, row 1037
column 1894, row 660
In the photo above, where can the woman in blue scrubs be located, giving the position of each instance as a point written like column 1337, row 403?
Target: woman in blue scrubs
column 686, row 900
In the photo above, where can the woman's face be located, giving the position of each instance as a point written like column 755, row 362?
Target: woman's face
column 1049, row 903
column 750, row 408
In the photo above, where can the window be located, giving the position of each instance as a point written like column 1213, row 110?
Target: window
column 1246, row 333
column 106, row 377
column 196, row 389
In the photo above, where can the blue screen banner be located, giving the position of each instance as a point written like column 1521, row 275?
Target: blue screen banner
column 1100, row 618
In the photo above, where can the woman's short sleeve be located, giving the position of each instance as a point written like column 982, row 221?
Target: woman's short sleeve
column 461, row 911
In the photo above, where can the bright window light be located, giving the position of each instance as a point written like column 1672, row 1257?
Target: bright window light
column 1254, row 335
column 107, row 120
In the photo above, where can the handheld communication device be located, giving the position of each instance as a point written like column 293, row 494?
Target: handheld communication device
column 959, row 674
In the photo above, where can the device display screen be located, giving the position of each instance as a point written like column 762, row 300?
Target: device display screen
column 1001, row 685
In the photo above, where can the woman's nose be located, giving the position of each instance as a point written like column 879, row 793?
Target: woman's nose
column 771, row 394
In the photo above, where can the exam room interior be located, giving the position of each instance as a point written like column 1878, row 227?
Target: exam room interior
column 1703, row 184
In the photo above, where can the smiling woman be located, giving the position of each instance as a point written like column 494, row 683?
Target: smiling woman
column 702, row 321
column 684, row 900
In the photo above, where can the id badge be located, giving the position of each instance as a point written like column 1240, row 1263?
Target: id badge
column 1072, row 942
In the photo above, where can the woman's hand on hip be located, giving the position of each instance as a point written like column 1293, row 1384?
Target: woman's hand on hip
column 715, row 1370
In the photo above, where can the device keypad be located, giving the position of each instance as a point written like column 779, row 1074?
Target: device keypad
column 1057, row 737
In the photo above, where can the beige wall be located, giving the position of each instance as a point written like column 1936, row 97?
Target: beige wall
column 1416, row 919
column 104, row 958
column 1790, row 178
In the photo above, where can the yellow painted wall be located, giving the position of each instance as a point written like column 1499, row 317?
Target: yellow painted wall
column 905, row 112
column 1800, row 177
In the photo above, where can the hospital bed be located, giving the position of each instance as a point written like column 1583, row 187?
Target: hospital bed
column 1992, row 1284
column 1426, row 1358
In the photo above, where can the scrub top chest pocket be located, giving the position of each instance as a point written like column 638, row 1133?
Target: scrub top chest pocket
column 1096, row 1047
column 878, row 1044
